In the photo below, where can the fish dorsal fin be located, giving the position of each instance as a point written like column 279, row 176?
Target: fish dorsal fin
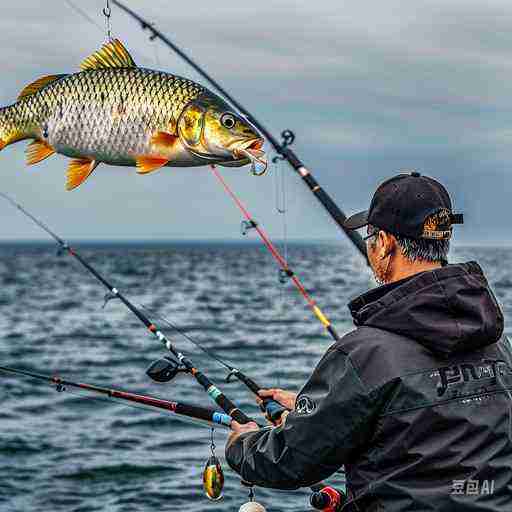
column 38, row 85
column 110, row 55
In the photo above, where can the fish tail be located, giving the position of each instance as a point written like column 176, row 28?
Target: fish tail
column 10, row 130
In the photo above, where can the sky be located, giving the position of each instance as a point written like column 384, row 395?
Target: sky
column 369, row 89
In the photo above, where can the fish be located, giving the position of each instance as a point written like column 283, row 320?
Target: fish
column 116, row 113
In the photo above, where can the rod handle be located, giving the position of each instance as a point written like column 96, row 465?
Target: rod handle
column 273, row 409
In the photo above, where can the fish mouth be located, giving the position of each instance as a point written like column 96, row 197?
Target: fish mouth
column 252, row 149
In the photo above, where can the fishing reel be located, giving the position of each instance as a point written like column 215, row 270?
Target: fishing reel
column 328, row 499
column 165, row 369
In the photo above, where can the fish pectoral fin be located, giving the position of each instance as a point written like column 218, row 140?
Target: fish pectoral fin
column 147, row 164
column 110, row 55
column 2, row 144
column 79, row 170
column 37, row 151
column 38, row 85
column 164, row 139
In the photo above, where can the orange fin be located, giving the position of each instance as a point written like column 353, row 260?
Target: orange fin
column 147, row 164
column 79, row 170
column 110, row 55
column 2, row 144
column 37, row 151
column 38, row 85
column 164, row 139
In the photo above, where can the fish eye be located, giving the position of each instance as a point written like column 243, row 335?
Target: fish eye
column 228, row 121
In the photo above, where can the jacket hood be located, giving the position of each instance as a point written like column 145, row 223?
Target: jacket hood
column 448, row 310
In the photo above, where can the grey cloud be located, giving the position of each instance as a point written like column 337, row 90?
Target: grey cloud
column 369, row 88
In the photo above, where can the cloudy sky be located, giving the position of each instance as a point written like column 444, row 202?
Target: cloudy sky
column 369, row 88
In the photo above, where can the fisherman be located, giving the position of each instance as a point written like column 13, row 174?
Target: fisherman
column 416, row 402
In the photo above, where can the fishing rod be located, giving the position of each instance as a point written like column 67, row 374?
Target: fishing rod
column 282, row 148
column 179, row 408
column 213, row 476
column 166, row 369
column 286, row 271
column 272, row 408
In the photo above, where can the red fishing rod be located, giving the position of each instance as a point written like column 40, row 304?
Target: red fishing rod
column 165, row 369
column 285, row 268
column 179, row 408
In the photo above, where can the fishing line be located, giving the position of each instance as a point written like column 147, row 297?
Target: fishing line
column 282, row 210
column 107, row 12
column 189, row 338
column 84, row 15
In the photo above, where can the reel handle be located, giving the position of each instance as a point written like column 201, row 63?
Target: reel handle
column 327, row 499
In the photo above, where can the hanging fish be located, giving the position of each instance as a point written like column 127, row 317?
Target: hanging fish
column 116, row 113
column 213, row 479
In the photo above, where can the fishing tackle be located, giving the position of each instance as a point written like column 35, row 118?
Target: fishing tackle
column 283, row 149
column 213, row 476
column 251, row 505
column 213, row 392
column 328, row 499
column 179, row 408
column 286, row 270
column 272, row 408
column 164, row 370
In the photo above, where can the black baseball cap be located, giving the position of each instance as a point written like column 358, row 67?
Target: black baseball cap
column 410, row 205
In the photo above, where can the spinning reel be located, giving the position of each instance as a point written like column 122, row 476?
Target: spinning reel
column 165, row 369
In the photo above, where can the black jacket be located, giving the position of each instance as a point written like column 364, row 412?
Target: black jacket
column 416, row 403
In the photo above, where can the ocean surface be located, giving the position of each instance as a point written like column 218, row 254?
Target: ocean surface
column 70, row 452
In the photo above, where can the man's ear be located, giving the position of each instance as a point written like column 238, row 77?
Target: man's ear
column 387, row 244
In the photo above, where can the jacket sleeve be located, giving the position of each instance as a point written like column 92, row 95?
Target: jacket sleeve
column 333, row 417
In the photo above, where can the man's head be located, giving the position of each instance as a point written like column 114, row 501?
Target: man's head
column 409, row 226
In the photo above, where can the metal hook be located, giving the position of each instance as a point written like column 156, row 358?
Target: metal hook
column 262, row 172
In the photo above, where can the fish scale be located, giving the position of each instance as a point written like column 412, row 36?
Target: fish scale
column 98, row 103
column 116, row 113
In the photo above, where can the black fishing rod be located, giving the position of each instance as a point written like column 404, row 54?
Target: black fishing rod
column 282, row 148
column 166, row 369
column 179, row 408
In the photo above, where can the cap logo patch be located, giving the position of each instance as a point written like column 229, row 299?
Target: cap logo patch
column 438, row 226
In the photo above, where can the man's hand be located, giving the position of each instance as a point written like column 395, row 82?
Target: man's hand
column 286, row 398
column 238, row 429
